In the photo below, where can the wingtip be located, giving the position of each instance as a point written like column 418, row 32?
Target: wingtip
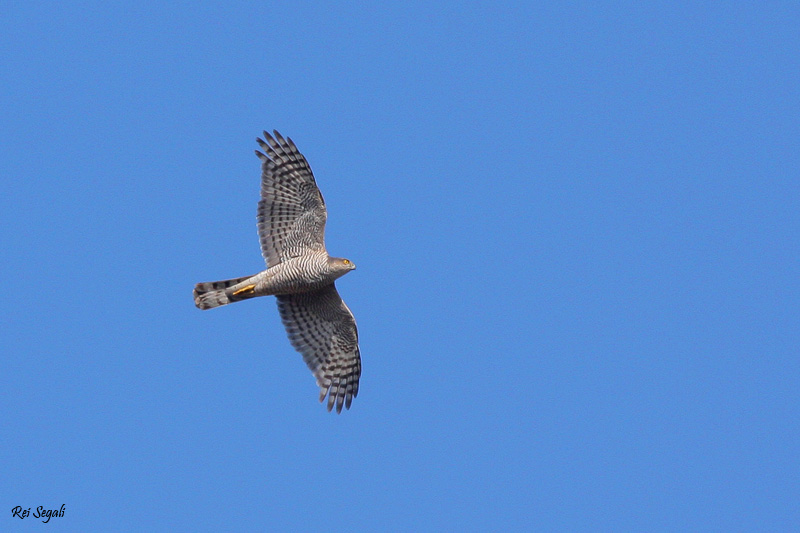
column 331, row 401
column 339, row 399
column 323, row 391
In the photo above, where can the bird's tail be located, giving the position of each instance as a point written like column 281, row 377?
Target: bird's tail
column 216, row 293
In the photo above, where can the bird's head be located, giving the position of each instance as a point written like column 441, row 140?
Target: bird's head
column 341, row 265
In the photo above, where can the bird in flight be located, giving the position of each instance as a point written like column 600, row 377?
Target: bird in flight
column 300, row 273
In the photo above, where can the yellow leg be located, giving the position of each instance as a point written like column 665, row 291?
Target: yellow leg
column 244, row 290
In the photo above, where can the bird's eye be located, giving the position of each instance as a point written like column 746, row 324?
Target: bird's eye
column 346, row 261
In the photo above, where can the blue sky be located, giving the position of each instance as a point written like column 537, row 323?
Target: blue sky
column 576, row 230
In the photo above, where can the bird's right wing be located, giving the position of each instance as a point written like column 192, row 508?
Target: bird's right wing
column 291, row 213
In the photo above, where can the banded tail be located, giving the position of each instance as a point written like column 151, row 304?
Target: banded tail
column 216, row 293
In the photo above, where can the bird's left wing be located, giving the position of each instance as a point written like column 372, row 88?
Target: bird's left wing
column 322, row 328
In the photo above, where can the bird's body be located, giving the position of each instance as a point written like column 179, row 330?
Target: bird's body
column 291, row 225
column 299, row 274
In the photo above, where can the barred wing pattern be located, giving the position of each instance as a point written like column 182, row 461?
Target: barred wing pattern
column 322, row 328
column 291, row 213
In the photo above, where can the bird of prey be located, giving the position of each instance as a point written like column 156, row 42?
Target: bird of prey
column 300, row 273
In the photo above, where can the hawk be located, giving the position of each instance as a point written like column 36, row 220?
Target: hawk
column 300, row 273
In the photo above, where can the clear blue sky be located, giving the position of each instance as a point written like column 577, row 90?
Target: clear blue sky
column 577, row 238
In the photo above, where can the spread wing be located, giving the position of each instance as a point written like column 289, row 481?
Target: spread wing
column 323, row 330
column 291, row 213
